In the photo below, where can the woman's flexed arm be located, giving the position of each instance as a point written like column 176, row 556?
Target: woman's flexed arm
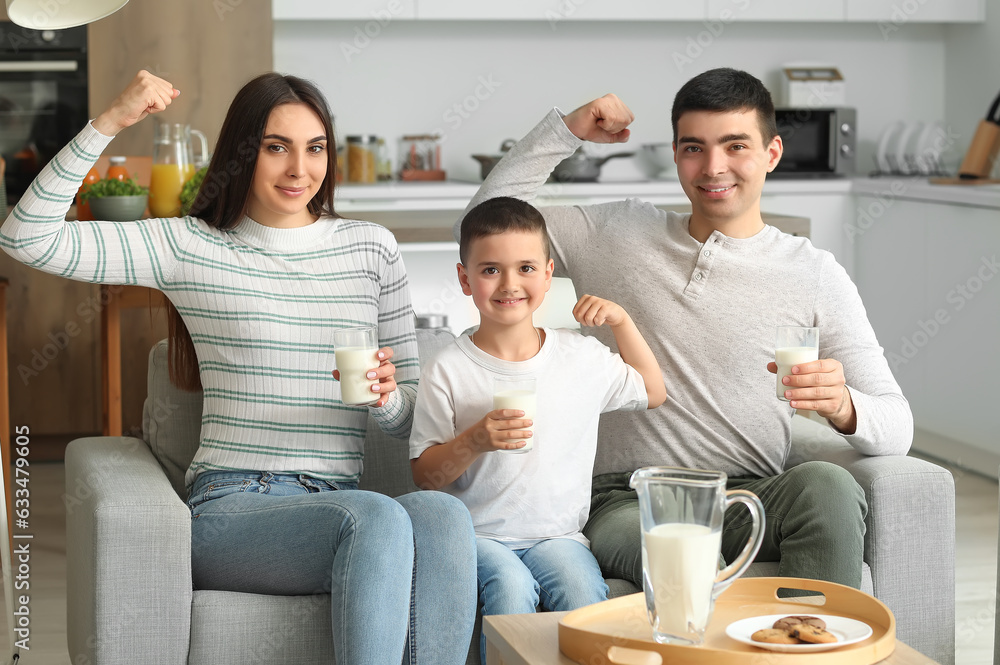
column 37, row 234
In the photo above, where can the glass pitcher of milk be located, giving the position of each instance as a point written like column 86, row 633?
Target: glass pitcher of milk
column 680, row 514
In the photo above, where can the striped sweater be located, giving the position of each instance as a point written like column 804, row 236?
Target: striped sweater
column 261, row 305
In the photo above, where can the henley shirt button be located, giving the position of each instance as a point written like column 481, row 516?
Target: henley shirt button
column 698, row 277
column 707, row 253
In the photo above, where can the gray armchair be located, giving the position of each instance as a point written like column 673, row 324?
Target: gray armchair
column 130, row 597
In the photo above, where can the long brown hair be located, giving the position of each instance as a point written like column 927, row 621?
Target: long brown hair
column 222, row 199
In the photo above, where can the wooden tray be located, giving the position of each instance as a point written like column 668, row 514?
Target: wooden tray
column 617, row 632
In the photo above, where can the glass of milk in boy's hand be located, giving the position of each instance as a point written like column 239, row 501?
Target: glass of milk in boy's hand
column 793, row 345
column 355, row 352
column 516, row 393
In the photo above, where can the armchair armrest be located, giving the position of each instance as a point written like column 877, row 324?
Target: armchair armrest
column 128, row 556
column 910, row 537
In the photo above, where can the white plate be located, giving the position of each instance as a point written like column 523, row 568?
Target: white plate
column 847, row 631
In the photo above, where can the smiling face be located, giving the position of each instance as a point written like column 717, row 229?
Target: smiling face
column 507, row 276
column 722, row 161
column 291, row 167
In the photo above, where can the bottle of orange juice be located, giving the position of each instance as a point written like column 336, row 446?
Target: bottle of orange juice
column 117, row 170
column 83, row 207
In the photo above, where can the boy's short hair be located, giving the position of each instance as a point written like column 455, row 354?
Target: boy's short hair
column 726, row 90
column 501, row 215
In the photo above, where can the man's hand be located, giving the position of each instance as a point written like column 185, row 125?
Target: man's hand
column 603, row 120
column 820, row 386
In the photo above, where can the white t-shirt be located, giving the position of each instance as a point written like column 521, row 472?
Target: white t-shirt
column 522, row 499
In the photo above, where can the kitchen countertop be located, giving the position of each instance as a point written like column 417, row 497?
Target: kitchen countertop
column 437, row 195
column 454, row 195
column 919, row 189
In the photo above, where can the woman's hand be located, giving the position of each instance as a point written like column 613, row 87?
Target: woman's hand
column 144, row 95
column 385, row 373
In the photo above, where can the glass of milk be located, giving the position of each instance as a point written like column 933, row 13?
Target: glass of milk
column 680, row 516
column 516, row 393
column 793, row 345
column 355, row 350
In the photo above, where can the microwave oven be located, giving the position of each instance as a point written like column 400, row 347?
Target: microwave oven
column 818, row 142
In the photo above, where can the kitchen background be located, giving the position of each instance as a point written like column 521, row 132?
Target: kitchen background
column 908, row 245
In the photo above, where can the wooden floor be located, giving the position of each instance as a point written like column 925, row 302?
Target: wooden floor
column 976, row 566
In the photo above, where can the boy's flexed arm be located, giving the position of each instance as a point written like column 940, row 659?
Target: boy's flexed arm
column 442, row 464
column 594, row 311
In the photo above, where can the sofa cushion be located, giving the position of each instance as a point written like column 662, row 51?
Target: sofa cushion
column 171, row 425
column 171, row 420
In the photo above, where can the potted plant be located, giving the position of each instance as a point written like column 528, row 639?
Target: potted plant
column 189, row 191
column 116, row 200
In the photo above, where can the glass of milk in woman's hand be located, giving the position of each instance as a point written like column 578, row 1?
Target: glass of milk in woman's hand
column 355, row 350
column 516, row 393
column 793, row 345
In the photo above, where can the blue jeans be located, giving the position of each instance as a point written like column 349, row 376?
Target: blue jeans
column 399, row 571
column 559, row 572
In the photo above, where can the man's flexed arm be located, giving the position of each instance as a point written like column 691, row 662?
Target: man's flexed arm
column 530, row 162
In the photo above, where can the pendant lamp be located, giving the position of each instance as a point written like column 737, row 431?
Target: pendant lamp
column 59, row 14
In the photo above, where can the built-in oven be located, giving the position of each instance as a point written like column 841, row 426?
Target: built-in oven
column 43, row 97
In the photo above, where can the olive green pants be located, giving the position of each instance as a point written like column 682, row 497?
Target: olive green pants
column 814, row 524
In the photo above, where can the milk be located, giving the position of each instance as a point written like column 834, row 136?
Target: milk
column 523, row 400
column 788, row 356
column 354, row 363
column 682, row 563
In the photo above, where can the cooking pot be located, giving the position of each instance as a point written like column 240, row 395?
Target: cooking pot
column 578, row 167
column 487, row 162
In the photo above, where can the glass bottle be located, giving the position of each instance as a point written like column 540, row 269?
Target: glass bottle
column 117, row 170
column 83, row 207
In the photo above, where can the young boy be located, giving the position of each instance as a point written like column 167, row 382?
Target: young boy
column 527, row 509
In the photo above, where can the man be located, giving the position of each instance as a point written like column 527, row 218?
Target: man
column 707, row 289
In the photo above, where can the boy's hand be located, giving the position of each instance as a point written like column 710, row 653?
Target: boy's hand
column 594, row 311
column 385, row 373
column 502, row 429
column 603, row 120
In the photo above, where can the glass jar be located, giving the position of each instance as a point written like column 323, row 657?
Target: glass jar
column 362, row 158
column 117, row 170
column 420, row 157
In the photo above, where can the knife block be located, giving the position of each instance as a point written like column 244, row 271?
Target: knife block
column 982, row 153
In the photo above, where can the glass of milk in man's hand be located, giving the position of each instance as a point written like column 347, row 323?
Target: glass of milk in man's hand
column 512, row 392
column 793, row 345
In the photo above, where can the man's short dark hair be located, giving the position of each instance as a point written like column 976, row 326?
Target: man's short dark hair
column 726, row 90
column 501, row 215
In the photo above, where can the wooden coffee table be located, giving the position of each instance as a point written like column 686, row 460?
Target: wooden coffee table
column 533, row 639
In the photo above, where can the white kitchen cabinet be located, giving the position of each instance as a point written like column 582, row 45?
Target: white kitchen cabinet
column 350, row 10
column 928, row 275
column 776, row 10
column 893, row 14
column 576, row 10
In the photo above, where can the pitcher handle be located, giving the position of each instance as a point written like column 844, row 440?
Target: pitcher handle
column 732, row 572
column 203, row 159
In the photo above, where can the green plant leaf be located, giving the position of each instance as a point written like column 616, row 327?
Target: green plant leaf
column 113, row 187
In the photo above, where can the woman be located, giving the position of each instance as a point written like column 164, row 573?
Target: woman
column 260, row 275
